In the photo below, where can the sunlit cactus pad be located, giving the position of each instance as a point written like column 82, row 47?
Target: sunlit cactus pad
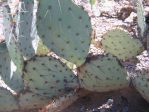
column 8, row 103
column 47, row 76
column 121, row 44
column 65, row 29
column 102, row 73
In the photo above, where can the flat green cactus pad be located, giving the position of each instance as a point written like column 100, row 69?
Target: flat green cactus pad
column 47, row 76
column 65, row 29
column 8, row 102
column 141, row 17
column 26, row 29
column 121, row 44
column 10, row 39
column 3, row 47
column 31, row 100
column 141, row 83
column 102, row 73
column 9, row 73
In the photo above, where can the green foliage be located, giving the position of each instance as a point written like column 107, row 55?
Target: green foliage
column 10, row 39
column 7, row 101
column 47, row 76
column 25, row 29
column 9, row 73
column 141, row 17
column 141, row 83
column 102, row 73
column 65, row 29
column 121, row 44
column 29, row 100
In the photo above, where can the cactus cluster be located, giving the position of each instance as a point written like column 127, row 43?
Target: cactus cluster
column 65, row 29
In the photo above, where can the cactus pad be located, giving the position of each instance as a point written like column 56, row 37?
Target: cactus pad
column 3, row 47
column 47, row 76
column 102, row 73
column 25, row 28
column 65, row 29
column 30, row 100
column 141, row 83
column 141, row 17
column 10, row 38
column 7, row 101
column 10, row 74
column 121, row 44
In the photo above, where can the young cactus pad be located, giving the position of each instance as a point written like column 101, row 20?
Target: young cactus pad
column 102, row 73
column 31, row 100
column 8, row 103
column 47, row 76
column 65, row 29
column 121, row 44
column 141, row 83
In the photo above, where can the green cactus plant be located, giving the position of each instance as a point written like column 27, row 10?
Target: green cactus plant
column 37, row 77
column 140, row 82
column 29, row 100
column 141, row 17
column 7, row 101
column 102, row 73
column 65, row 29
column 56, row 77
column 9, row 73
column 25, row 28
column 10, row 39
column 121, row 44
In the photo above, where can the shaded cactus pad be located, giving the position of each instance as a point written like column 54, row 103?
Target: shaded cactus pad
column 121, row 44
column 102, row 73
column 7, row 101
column 31, row 100
column 141, row 83
column 47, row 76
column 65, row 29
column 9, row 73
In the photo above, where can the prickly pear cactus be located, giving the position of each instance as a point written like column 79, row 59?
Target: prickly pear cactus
column 47, row 76
column 121, row 44
column 31, row 100
column 141, row 83
column 141, row 17
column 25, row 28
column 3, row 47
column 102, row 73
column 9, row 73
column 10, row 39
column 65, row 29
column 7, row 101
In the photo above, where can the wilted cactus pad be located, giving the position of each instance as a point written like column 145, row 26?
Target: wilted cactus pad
column 7, row 101
column 121, row 44
column 141, row 83
column 102, row 73
column 64, row 28
column 47, row 76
